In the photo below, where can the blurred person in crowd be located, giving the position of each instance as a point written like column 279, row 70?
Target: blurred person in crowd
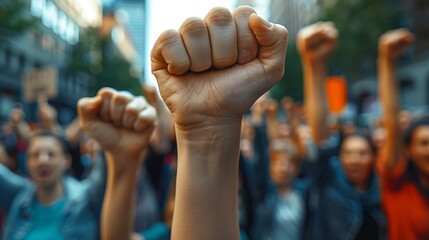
column 7, row 160
column 51, row 204
column 343, row 201
column 405, row 119
column 281, row 211
column 277, row 126
column 14, row 135
column 403, row 165
column 90, row 152
column 252, row 166
column 378, row 136
column 82, row 150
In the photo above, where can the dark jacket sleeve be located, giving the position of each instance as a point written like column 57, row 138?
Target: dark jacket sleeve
column 10, row 185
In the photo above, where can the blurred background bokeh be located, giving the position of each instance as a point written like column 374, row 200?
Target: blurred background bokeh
column 68, row 49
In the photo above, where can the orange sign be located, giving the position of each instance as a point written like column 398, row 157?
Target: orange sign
column 336, row 91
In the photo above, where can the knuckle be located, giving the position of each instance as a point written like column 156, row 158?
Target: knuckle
column 219, row 16
column 193, row 27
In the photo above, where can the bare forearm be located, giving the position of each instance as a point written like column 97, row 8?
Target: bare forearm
column 74, row 132
column 22, row 130
column 207, row 183
column 119, row 200
column 391, row 150
column 315, row 98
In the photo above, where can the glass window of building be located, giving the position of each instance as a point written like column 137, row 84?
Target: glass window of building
column 50, row 13
column 37, row 7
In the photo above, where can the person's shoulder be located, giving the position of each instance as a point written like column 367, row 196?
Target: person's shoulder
column 74, row 187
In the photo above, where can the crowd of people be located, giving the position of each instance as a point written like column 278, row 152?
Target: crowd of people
column 213, row 156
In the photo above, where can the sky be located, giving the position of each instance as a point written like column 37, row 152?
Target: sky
column 169, row 14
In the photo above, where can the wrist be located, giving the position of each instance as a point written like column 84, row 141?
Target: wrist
column 209, row 130
column 386, row 59
column 123, row 162
column 211, row 142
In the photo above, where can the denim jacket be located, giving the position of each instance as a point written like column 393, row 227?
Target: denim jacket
column 264, row 194
column 335, row 208
column 81, row 213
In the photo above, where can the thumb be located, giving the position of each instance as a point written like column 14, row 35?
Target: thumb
column 272, row 40
column 88, row 109
column 268, row 34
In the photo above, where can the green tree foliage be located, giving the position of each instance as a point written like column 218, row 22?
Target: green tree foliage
column 99, row 58
column 360, row 23
column 115, row 71
column 14, row 19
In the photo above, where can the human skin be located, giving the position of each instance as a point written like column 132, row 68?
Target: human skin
column 209, row 73
column 121, row 124
column 46, row 164
column 315, row 44
column 390, row 46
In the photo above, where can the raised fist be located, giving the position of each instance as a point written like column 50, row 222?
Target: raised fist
column 393, row 43
column 120, row 122
column 216, row 68
column 317, row 41
column 17, row 116
column 47, row 114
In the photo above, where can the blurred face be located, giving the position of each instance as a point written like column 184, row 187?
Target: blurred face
column 284, row 130
column 46, row 161
column 378, row 137
column 419, row 149
column 404, row 119
column 357, row 160
column 282, row 169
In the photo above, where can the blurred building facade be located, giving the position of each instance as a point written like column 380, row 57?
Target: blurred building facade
column 293, row 14
column 132, row 13
column 59, row 24
column 413, row 68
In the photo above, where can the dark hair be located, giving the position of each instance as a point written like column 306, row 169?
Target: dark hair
column 360, row 135
column 62, row 142
column 422, row 121
column 9, row 149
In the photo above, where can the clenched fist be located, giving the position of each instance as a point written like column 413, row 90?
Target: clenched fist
column 393, row 43
column 215, row 68
column 120, row 122
column 317, row 41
